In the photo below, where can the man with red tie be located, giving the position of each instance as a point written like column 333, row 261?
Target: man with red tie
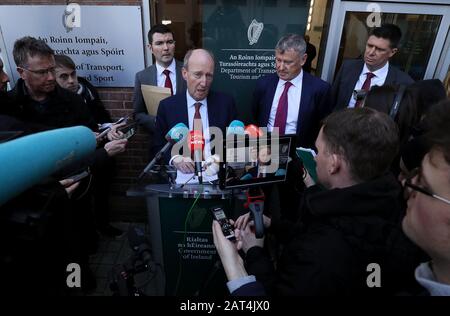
column 165, row 72
column 295, row 102
column 199, row 108
column 291, row 99
column 374, row 70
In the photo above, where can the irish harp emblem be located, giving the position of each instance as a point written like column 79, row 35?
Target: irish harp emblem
column 254, row 31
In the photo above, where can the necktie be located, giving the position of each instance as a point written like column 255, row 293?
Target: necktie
column 282, row 110
column 197, row 123
column 168, row 82
column 365, row 87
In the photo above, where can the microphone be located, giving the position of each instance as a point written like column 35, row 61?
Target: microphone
column 174, row 135
column 197, row 144
column 247, row 176
column 27, row 160
column 236, row 128
column 280, row 172
column 253, row 131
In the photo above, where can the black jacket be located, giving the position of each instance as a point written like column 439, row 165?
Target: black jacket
column 348, row 75
column 62, row 109
column 339, row 233
column 93, row 102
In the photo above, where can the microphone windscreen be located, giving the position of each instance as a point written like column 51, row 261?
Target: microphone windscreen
column 236, row 128
column 196, row 140
column 253, row 131
column 27, row 160
column 177, row 133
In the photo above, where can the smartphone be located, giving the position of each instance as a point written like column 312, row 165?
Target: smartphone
column 80, row 176
column 106, row 127
column 227, row 229
column 129, row 130
column 123, row 119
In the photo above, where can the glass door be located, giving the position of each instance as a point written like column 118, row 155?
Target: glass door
column 424, row 30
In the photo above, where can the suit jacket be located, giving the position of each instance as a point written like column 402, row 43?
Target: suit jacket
column 173, row 110
column 148, row 77
column 348, row 76
column 314, row 105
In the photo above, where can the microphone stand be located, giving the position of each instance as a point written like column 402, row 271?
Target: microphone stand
column 152, row 163
column 192, row 177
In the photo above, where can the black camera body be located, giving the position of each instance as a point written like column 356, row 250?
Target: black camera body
column 359, row 95
column 122, row 276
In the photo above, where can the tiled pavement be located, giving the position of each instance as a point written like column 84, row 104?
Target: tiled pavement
column 111, row 251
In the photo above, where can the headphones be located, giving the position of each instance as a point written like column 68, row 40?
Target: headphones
column 398, row 98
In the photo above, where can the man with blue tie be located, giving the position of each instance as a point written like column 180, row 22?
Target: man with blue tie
column 199, row 108
column 291, row 99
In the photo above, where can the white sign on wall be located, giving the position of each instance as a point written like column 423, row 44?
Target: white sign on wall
column 105, row 42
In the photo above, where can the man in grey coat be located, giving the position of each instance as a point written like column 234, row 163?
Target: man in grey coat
column 165, row 72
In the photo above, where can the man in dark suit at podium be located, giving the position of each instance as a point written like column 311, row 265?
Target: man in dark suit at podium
column 198, row 104
column 165, row 72
column 375, row 69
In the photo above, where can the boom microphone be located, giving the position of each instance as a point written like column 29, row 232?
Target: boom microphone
column 27, row 160
column 176, row 133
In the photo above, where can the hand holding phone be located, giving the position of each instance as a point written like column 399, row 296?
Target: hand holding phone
column 220, row 216
column 128, row 131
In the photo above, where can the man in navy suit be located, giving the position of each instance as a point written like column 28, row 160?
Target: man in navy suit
column 162, row 46
column 197, row 104
column 381, row 45
column 307, row 96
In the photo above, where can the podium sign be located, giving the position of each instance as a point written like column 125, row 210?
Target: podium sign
column 190, row 257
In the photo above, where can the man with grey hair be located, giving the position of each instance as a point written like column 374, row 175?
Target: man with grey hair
column 291, row 99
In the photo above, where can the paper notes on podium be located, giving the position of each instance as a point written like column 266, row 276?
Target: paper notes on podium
column 152, row 96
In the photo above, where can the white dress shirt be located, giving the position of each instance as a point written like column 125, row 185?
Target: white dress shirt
column 161, row 78
column 425, row 276
column 182, row 177
column 294, row 97
column 377, row 80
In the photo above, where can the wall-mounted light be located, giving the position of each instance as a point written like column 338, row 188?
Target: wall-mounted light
column 311, row 4
column 166, row 22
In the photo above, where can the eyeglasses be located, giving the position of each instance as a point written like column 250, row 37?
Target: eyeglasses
column 416, row 172
column 41, row 72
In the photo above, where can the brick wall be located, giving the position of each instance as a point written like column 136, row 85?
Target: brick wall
column 118, row 101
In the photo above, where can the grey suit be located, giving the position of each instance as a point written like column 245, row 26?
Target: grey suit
column 148, row 77
column 348, row 75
